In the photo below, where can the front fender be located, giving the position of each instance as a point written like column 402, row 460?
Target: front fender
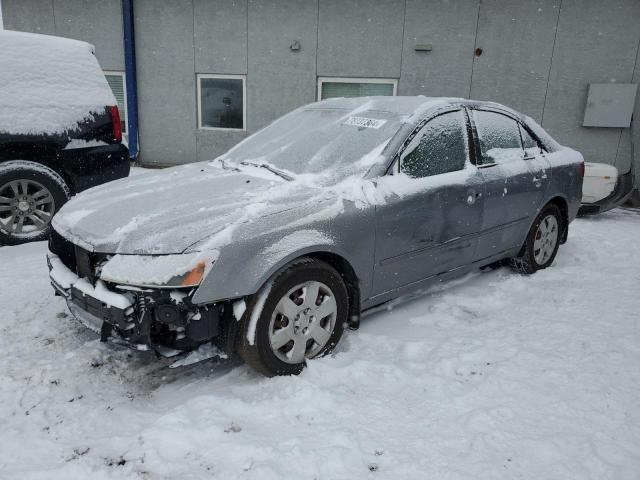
column 239, row 273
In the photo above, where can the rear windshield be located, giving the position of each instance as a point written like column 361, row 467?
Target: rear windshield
column 314, row 140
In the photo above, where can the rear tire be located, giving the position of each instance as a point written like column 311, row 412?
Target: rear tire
column 542, row 243
column 30, row 195
column 300, row 314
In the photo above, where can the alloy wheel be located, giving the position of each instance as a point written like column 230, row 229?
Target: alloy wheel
column 26, row 207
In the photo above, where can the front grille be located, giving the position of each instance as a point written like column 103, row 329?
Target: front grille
column 64, row 249
column 84, row 264
column 75, row 258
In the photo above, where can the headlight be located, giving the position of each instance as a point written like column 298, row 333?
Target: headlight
column 159, row 271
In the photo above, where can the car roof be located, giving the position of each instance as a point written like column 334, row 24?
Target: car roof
column 411, row 106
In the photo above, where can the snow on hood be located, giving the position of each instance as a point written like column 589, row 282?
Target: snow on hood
column 48, row 84
column 198, row 207
column 168, row 211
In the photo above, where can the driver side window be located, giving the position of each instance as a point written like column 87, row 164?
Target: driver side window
column 440, row 147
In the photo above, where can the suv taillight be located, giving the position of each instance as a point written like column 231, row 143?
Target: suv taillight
column 117, row 126
column 582, row 170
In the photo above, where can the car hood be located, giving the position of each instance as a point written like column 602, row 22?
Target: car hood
column 170, row 210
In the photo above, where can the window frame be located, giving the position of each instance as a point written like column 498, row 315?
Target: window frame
column 395, row 167
column 539, row 144
column 476, row 138
column 224, row 76
column 416, row 136
column 123, row 115
column 388, row 81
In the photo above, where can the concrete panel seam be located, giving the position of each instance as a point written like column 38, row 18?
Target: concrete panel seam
column 53, row 14
column 193, row 44
column 615, row 159
column 404, row 25
column 247, row 36
column 475, row 45
column 553, row 49
column 317, row 43
column 632, row 154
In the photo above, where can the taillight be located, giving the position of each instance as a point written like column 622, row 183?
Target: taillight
column 117, row 126
column 581, row 169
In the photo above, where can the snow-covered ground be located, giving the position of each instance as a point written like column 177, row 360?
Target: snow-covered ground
column 496, row 375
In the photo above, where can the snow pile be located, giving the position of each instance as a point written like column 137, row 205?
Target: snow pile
column 48, row 84
column 496, row 375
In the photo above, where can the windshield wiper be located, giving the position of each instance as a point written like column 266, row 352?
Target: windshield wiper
column 266, row 166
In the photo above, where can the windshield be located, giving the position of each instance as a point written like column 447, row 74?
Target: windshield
column 332, row 142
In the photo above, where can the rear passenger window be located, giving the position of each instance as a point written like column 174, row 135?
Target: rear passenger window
column 440, row 147
column 499, row 137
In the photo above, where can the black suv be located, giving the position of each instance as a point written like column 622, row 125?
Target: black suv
column 60, row 130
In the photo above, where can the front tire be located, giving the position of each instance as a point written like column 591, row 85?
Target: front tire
column 30, row 195
column 542, row 242
column 301, row 314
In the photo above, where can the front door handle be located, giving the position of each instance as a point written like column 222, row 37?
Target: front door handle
column 472, row 195
column 537, row 180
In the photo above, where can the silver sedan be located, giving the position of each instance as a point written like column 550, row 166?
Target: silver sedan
column 272, row 250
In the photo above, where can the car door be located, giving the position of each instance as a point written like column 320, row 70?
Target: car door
column 433, row 208
column 538, row 164
column 514, row 178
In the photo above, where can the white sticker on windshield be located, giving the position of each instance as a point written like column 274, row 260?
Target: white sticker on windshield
column 364, row 122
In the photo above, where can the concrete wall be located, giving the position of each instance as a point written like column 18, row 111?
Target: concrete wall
column 538, row 56
column 95, row 21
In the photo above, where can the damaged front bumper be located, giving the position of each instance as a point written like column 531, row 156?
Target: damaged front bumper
column 143, row 319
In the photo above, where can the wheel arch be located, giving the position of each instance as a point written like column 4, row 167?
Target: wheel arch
column 261, row 267
column 348, row 274
column 45, row 153
column 563, row 205
column 332, row 256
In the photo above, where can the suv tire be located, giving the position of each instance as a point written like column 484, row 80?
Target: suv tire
column 30, row 195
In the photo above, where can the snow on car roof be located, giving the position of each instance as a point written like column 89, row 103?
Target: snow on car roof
column 48, row 84
column 398, row 104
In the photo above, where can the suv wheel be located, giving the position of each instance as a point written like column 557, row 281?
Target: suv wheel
column 30, row 195
column 542, row 242
column 299, row 315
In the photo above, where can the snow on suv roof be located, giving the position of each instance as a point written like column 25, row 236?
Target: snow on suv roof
column 48, row 84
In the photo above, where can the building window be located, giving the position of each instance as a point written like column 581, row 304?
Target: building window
column 119, row 89
column 331, row 87
column 221, row 102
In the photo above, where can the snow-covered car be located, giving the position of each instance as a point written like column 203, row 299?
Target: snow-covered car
column 275, row 248
column 604, row 188
column 60, row 130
